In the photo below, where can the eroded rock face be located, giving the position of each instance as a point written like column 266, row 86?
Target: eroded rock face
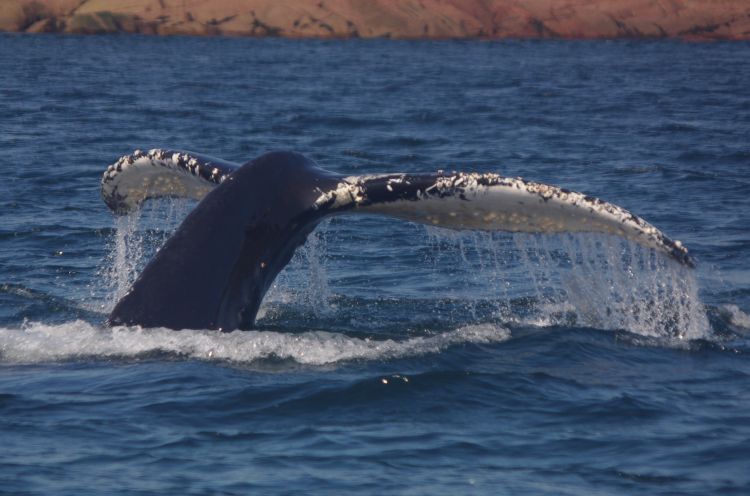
column 689, row 19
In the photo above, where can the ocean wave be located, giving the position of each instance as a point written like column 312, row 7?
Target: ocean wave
column 41, row 343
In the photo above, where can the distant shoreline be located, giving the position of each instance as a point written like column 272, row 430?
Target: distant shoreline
column 115, row 34
column 709, row 20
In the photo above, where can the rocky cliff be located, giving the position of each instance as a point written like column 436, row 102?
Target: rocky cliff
column 688, row 19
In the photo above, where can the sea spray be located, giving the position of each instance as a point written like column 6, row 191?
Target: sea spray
column 134, row 241
column 616, row 284
column 139, row 235
column 126, row 255
column 304, row 281
column 473, row 259
column 562, row 279
column 583, row 279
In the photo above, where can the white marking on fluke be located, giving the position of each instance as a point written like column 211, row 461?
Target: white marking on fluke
column 160, row 173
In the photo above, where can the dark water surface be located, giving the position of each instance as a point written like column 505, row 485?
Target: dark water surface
column 389, row 358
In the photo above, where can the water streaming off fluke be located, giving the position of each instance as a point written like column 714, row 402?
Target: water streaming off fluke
column 584, row 279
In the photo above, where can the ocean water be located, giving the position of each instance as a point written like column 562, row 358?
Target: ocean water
column 388, row 358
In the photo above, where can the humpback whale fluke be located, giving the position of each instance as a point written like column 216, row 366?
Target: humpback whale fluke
column 161, row 173
column 214, row 270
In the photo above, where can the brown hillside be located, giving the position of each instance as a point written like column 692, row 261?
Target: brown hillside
column 691, row 19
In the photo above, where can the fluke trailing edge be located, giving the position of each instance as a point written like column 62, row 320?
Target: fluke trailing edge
column 215, row 269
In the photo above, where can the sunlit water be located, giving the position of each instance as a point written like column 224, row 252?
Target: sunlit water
column 388, row 357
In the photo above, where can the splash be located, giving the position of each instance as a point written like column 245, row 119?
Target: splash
column 140, row 234
column 41, row 343
column 735, row 317
column 583, row 279
column 135, row 239
column 617, row 284
column 304, row 281
column 567, row 279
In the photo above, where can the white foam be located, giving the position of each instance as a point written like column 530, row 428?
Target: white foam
column 735, row 316
column 42, row 343
column 547, row 315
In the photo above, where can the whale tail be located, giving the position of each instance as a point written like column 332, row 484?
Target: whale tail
column 217, row 266
column 160, row 173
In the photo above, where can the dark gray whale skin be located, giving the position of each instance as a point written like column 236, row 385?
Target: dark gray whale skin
column 216, row 268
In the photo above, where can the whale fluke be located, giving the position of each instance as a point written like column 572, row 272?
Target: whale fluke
column 215, row 269
column 161, row 173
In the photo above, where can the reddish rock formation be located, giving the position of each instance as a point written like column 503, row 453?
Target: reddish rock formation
column 689, row 19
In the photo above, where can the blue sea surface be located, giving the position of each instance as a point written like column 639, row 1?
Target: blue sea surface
column 389, row 358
